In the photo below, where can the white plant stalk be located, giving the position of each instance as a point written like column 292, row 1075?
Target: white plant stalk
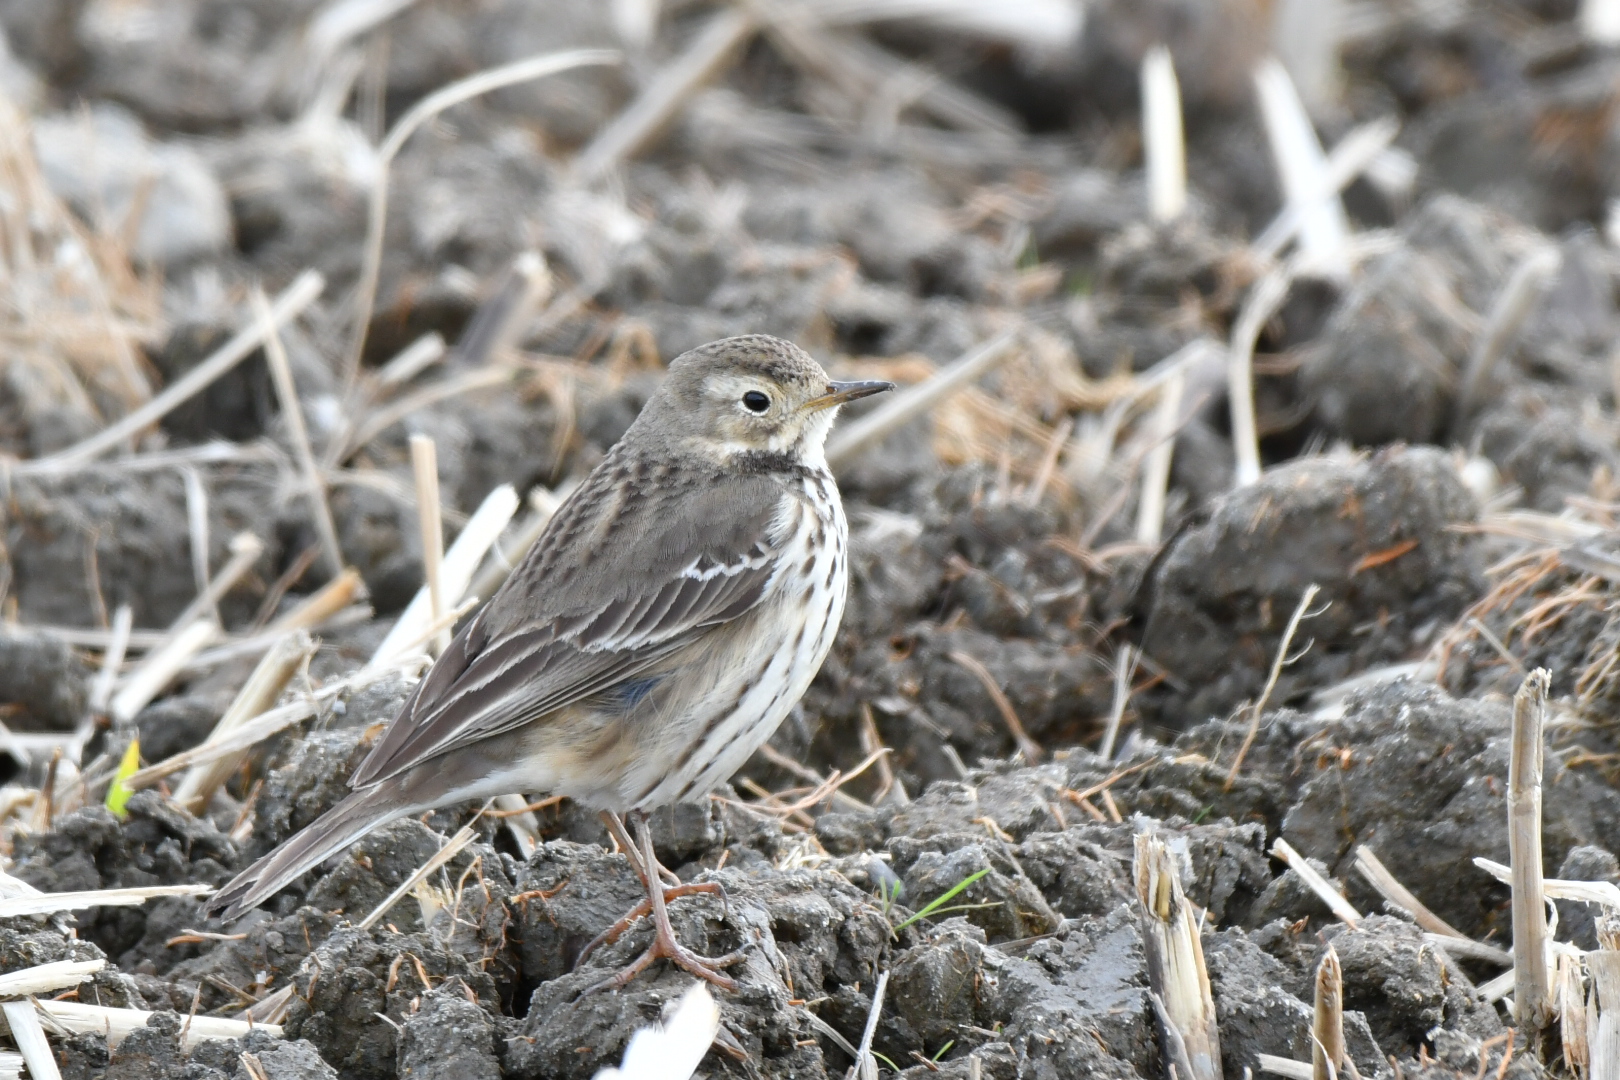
column 1163, row 143
column 1302, row 168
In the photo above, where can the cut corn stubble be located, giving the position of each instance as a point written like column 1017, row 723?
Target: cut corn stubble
column 1177, row 977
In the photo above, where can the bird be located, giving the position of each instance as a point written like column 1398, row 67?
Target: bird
column 673, row 611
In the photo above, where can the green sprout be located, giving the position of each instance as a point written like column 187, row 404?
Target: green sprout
column 118, row 792
column 943, row 1051
column 937, row 906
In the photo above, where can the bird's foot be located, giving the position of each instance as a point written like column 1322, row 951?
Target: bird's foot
column 665, row 947
column 641, row 911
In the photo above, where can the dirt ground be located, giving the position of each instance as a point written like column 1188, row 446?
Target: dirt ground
column 1036, row 667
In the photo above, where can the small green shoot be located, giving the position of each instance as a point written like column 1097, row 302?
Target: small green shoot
column 943, row 1051
column 1204, row 813
column 118, row 792
column 937, row 904
column 889, row 892
column 886, row 1061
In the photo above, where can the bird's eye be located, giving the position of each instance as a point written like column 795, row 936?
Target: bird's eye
column 756, row 402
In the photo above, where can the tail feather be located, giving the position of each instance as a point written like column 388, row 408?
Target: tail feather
column 329, row 834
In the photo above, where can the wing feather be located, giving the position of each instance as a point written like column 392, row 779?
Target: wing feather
column 590, row 608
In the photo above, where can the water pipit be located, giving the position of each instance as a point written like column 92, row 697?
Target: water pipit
column 675, row 608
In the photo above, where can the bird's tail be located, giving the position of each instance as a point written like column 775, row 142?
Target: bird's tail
column 329, row 834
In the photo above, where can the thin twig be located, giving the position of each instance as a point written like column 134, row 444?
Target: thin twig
column 704, row 58
column 112, row 659
column 1026, row 746
column 865, row 1063
column 297, row 296
column 468, row 550
column 293, row 412
column 1277, row 665
column 245, row 551
column 1156, row 469
column 854, row 439
column 527, row 70
column 1389, row 887
column 1511, row 307
column 1124, row 669
column 439, row 858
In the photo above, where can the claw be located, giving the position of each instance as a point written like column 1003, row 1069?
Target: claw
column 664, row 946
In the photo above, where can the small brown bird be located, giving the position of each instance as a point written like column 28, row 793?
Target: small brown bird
column 675, row 608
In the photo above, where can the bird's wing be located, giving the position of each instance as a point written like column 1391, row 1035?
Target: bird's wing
column 631, row 570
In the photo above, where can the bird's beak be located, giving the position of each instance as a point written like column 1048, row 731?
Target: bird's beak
column 840, row 392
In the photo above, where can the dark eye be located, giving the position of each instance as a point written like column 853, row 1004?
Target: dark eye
column 756, row 402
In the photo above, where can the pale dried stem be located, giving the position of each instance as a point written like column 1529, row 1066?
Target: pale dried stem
column 1603, row 1010
column 521, row 71
column 80, row 1019
column 1177, row 977
column 1277, row 664
column 197, row 524
column 703, row 59
column 1327, row 1024
column 158, row 668
column 292, row 411
column 865, row 1064
column 438, row 859
column 468, row 550
column 274, row 671
column 1348, row 160
column 48, row 978
column 29, row 1036
column 1281, row 1066
column 505, row 558
column 50, row 903
column 1163, row 143
column 498, row 322
column 320, row 605
column 123, row 622
column 1532, row 991
column 412, row 360
column 1124, row 669
column 1512, row 306
column 245, row 551
column 1156, row 469
column 1390, row 888
column 297, row 296
column 1324, row 889
column 1264, row 298
column 381, row 419
column 425, row 463
column 901, row 408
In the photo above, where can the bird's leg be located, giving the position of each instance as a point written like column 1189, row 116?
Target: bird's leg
column 615, row 828
column 664, row 945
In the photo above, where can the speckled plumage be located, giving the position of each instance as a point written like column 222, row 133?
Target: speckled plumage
column 673, row 611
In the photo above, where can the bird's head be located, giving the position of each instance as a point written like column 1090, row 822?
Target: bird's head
column 751, row 395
